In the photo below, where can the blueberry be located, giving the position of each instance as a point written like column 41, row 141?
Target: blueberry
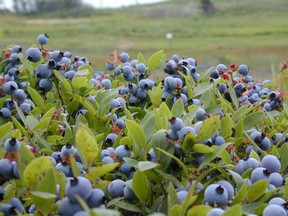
column 45, row 85
column 271, row 163
column 192, row 62
column 57, row 156
column 107, row 160
column 7, row 209
column 16, row 49
column 10, row 87
column 216, row 194
column 181, row 196
column 176, row 124
column 25, row 107
column 124, row 57
column 259, row 173
column 170, row 67
column 126, row 168
column 170, row 83
column 70, row 74
column 251, row 163
column 141, row 94
column 274, row 210
column 64, row 168
column 129, row 194
column 243, row 69
column 20, row 95
column 141, row 68
column 6, row 168
column 96, row 198
column 2, row 193
column 122, row 151
column 67, row 151
column 132, row 88
column 172, row 135
column 228, row 186
column 42, row 71
column 277, row 201
column 123, row 90
column 200, row 114
column 12, row 144
column 276, row 179
column 78, row 186
column 43, row 39
column 57, row 55
column 198, row 187
column 67, row 208
column 5, row 113
column 116, row 188
column 17, row 204
column 110, row 139
column 215, row 212
column 120, row 123
column 67, row 54
column 106, row 83
column 218, row 140
column 132, row 100
column 33, row 54
column 144, row 84
column 114, row 104
column 221, row 68
column 186, row 129
column 109, row 66
column 214, row 74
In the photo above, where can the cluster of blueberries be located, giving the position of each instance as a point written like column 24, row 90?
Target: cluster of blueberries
column 135, row 90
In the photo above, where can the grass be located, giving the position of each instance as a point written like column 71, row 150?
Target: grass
column 252, row 32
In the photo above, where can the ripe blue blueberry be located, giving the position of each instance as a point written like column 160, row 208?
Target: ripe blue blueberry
column 181, row 196
column 271, row 163
column 259, row 173
column 67, row 208
column 10, row 87
column 45, row 85
column 96, row 198
column 116, row 188
column 5, row 113
column 129, row 194
column 228, row 186
column 200, row 114
column 43, row 39
column 176, row 124
column 243, row 69
column 124, row 57
column 12, row 144
column 216, row 194
column 215, row 212
column 122, row 151
column 274, row 210
column 33, row 54
column 78, row 186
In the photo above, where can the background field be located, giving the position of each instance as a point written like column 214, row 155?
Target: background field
column 252, row 32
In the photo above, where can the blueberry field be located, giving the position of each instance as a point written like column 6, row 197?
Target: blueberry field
column 79, row 141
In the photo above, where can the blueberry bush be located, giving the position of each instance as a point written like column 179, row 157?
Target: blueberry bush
column 75, row 141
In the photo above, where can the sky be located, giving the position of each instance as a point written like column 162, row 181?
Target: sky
column 103, row 3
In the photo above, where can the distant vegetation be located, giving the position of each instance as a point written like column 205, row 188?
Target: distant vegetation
column 254, row 32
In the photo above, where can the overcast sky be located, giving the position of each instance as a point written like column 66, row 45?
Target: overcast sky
column 104, row 3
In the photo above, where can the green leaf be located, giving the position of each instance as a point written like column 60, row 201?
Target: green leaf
column 148, row 124
column 79, row 82
column 5, row 127
column 240, row 195
column 100, row 171
column 140, row 185
column 239, row 127
column 233, row 97
column 19, row 126
column 202, row 148
column 75, row 169
column 43, row 201
column 29, row 70
column 256, row 190
column 155, row 61
column 226, row 126
column 25, row 156
column 66, row 90
column 141, row 58
column 136, row 133
column 177, row 108
column 250, row 208
column 164, row 111
column 123, row 205
column 203, row 87
column 252, row 119
column 189, row 141
column 37, row 99
column 35, row 169
column 146, row 165
column 213, row 155
column 172, row 196
column 86, row 145
column 85, row 70
column 237, row 179
column 48, row 182
column 176, row 159
column 209, row 127
column 199, row 210
column 235, row 210
column 106, row 212
column 283, row 156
